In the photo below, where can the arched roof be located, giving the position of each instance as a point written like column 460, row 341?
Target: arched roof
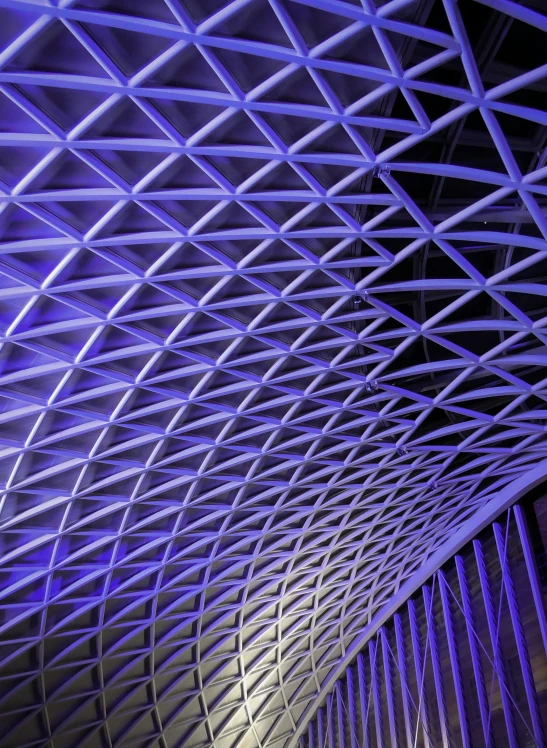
column 272, row 322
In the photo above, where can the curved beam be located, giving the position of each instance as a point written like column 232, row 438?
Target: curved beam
column 481, row 519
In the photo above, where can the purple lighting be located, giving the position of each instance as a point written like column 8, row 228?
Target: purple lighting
column 272, row 328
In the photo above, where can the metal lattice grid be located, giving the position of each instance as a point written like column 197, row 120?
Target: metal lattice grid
column 272, row 318
column 464, row 661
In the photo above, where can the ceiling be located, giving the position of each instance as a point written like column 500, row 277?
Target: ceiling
column 273, row 325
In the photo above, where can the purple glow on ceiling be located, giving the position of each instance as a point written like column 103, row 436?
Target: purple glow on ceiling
column 273, row 313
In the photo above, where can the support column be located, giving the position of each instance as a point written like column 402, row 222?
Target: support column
column 364, row 701
column 373, row 654
column 401, row 662
column 496, row 649
column 423, row 715
column 454, row 659
column 520, row 639
column 531, row 568
column 475, row 655
column 389, row 688
column 437, row 676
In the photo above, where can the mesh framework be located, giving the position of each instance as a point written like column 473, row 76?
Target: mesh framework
column 273, row 325
column 463, row 661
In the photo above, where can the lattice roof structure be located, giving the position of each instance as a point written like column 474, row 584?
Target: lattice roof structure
column 272, row 318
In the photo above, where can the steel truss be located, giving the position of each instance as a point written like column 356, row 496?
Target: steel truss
column 456, row 665
column 273, row 327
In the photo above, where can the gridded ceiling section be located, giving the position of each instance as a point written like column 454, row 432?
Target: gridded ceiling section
column 272, row 318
